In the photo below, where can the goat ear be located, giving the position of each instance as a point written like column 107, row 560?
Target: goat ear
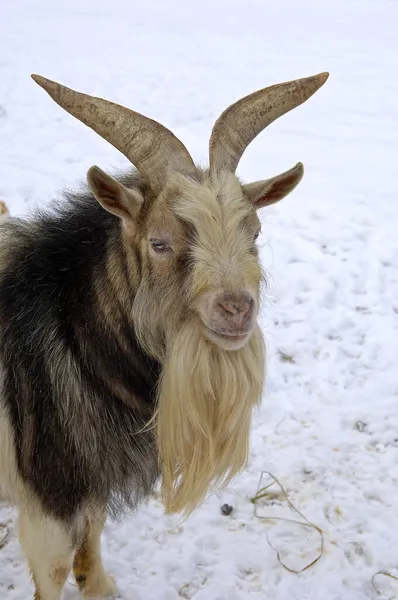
column 269, row 191
column 113, row 195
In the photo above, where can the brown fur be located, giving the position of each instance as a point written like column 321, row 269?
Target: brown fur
column 87, row 564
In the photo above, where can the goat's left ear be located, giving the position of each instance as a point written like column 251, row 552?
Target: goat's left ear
column 269, row 191
column 114, row 196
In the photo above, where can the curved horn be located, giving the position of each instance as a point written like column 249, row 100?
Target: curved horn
column 240, row 123
column 150, row 146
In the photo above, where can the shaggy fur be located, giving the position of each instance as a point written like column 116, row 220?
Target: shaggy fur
column 110, row 372
column 77, row 386
column 116, row 361
column 99, row 339
column 206, row 401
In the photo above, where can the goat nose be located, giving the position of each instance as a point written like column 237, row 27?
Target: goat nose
column 236, row 304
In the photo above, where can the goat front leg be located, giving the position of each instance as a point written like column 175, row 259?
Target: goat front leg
column 88, row 568
column 48, row 549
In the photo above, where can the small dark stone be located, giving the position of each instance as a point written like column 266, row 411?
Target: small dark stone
column 226, row 509
column 361, row 427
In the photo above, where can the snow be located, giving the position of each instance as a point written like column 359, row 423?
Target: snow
column 328, row 426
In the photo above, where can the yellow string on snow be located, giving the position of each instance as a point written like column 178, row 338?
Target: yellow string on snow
column 384, row 574
column 262, row 492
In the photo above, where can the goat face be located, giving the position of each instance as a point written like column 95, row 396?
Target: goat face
column 221, row 227
column 197, row 246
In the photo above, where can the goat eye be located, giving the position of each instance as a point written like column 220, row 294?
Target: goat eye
column 159, row 246
column 256, row 235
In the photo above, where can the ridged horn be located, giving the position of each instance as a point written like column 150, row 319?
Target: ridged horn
column 241, row 122
column 147, row 144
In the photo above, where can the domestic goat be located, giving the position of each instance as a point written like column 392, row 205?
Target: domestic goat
column 130, row 351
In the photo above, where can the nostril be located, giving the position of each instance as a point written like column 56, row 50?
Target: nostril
column 229, row 307
column 234, row 305
column 245, row 306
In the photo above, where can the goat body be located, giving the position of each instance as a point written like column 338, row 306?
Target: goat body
column 129, row 343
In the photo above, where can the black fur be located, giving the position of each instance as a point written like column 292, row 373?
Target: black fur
column 75, row 444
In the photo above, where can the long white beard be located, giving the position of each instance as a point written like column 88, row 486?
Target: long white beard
column 206, row 398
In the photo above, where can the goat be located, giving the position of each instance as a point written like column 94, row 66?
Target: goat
column 130, row 351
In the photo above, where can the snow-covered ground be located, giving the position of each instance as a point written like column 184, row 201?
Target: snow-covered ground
column 328, row 427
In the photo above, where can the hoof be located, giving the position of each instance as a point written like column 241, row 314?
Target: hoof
column 100, row 587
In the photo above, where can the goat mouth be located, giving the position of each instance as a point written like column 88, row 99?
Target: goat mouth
column 230, row 337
